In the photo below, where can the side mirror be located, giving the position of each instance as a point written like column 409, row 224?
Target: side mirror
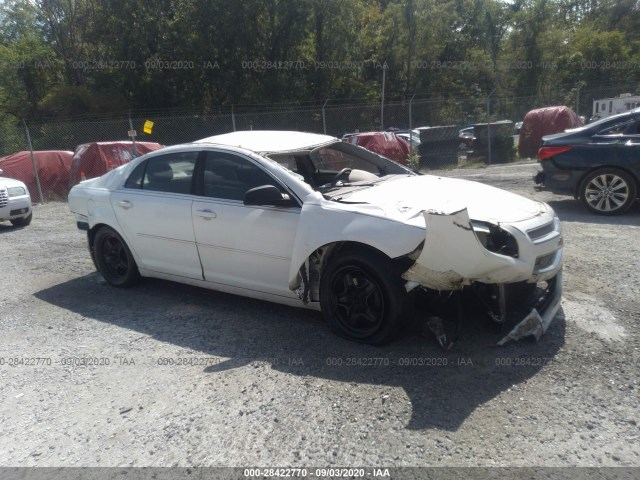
column 267, row 195
column 1, row 172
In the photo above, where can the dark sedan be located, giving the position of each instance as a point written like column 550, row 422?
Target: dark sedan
column 598, row 163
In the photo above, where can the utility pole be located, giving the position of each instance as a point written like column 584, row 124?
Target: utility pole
column 384, row 75
column 489, row 126
column 324, row 119
column 132, row 135
column 233, row 119
column 411, row 128
column 35, row 164
column 580, row 85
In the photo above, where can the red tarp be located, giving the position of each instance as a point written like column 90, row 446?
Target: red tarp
column 92, row 160
column 544, row 121
column 53, row 170
column 386, row 144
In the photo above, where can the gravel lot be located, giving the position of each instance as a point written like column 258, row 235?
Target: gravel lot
column 263, row 385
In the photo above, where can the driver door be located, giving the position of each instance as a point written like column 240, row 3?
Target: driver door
column 242, row 246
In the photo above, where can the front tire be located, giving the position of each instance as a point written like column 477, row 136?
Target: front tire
column 113, row 258
column 22, row 222
column 362, row 298
column 608, row 191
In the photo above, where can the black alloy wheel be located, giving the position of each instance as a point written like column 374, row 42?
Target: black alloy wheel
column 361, row 297
column 113, row 258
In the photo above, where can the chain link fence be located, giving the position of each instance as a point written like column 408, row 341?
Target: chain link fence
column 331, row 117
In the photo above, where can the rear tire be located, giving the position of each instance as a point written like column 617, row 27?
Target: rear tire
column 608, row 191
column 114, row 259
column 22, row 222
column 362, row 297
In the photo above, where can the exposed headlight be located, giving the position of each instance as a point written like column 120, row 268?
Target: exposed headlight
column 16, row 191
column 495, row 239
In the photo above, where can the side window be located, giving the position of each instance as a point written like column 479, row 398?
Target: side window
column 171, row 173
column 336, row 160
column 287, row 161
column 617, row 129
column 135, row 179
column 229, row 176
column 633, row 128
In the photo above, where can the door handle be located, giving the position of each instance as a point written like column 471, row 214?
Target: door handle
column 206, row 214
column 126, row 204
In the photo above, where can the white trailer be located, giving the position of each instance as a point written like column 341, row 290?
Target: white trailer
column 606, row 107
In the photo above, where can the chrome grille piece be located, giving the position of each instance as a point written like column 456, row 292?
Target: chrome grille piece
column 540, row 232
column 4, row 197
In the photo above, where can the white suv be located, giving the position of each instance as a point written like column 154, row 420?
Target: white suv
column 15, row 202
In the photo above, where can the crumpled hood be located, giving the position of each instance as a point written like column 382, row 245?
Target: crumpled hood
column 408, row 196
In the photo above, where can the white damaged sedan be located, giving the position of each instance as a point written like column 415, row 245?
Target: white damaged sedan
column 307, row 220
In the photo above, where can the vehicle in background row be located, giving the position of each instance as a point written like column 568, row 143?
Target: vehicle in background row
column 598, row 163
column 518, row 127
column 412, row 137
column 467, row 139
column 15, row 202
column 544, row 121
column 606, row 107
column 387, row 144
column 310, row 221
column 91, row 160
column 53, row 172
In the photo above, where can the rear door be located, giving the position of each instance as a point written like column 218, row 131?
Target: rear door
column 154, row 210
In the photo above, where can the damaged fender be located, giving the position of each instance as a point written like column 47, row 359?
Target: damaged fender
column 322, row 223
column 453, row 256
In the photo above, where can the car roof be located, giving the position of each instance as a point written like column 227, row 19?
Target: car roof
column 270, row 141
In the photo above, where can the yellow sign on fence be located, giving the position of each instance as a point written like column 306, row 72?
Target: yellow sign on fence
column 148, row 126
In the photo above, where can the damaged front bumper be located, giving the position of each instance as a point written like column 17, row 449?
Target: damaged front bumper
column 540, row 317
column 515, row 267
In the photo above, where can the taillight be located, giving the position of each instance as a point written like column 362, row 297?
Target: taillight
column 548, row 152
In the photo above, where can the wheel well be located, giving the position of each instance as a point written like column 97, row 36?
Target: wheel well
column 576, row 193
column 342, row 247
column 317, row 261
column 91, row 234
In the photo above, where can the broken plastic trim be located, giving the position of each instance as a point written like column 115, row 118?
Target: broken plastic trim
column 453, row 255
column 536, row 324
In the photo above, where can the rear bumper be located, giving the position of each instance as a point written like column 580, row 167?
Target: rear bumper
column 555, row 180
